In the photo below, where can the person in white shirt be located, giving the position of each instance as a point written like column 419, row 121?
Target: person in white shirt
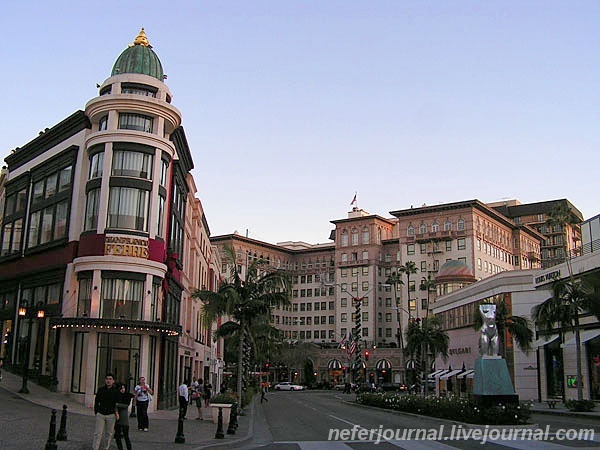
column 183, row 392
column 142, row 398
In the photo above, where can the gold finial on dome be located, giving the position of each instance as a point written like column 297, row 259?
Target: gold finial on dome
column 141, row 39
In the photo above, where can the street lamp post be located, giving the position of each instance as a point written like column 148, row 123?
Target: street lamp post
column 23, row 313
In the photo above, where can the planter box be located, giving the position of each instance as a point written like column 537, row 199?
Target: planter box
column 226, row 413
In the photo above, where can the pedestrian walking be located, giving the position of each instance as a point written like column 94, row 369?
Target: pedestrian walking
column 197, row 397
column 183, row 392
column 263, row 393
column 122, row 426
column 143, row 394
column 206, row 394
column 106, row 412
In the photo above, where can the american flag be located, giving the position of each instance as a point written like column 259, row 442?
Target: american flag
column 351, row 347
column 343, row 342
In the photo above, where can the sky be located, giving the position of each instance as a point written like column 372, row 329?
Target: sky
column 291, row 107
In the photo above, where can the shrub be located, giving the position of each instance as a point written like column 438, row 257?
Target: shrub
column 580, row 405
column 223, row 398
column 452, row 408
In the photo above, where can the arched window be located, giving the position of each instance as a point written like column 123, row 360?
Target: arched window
column 422, row 229
column 447, row 225
column 354, row 236
column 435, row 227
column 410, row 231
column 460, row 226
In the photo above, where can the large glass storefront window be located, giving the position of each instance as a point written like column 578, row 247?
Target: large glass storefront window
column 122, row 299
column 593, row 347
column 116, row 355
column 79, row 372
column 554, row 369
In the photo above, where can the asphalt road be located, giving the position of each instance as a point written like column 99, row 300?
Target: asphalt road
column 305, row 420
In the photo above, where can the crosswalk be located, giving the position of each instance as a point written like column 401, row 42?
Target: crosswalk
column 552, row 443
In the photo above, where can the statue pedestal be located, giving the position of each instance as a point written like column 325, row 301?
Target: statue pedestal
column 492, row 384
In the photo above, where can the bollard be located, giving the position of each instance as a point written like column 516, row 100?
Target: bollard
column 232, row 420
column 51, row 443
column 180, row 438
column 235, row 415
column 62, row 431
column 220, row 434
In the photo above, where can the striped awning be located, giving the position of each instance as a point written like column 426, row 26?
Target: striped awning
column 466, row 373
column 383, row 364
column 433, row 374
column 450, row 374
column 334, row 364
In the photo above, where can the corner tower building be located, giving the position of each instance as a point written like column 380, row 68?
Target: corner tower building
column 96, row 237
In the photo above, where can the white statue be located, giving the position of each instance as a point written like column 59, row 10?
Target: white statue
column 488, row 341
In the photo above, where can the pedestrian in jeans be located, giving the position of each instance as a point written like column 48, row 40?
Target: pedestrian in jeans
column 142, row 398
column 184, row 399
column 197, row 397
column 122, row 426
column 105, row 409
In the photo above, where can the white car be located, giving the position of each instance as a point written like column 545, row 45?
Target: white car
column 287, row 386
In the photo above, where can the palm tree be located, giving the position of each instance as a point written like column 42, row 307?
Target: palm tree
column 425, row 338
column 247, row 302
column 409, row 268
column 570, row 298
column 395, row 280
column 427, row 284
column 518, row 327
column 559, row 217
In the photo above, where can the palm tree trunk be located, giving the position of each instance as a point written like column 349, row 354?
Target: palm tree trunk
column 240, row 366
column 579, row 370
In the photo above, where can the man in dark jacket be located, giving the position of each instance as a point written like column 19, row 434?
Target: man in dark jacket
column 105, row 409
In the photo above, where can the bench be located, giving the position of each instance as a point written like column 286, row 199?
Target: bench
column 551, row 404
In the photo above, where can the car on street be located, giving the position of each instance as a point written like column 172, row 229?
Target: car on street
column 287, row 386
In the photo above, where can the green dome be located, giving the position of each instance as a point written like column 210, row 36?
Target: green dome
column 139, row 58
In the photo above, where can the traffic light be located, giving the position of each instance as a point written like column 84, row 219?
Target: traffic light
column 367, row 354
column 267, row 364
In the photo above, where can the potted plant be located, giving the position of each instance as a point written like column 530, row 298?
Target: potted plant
column 225, row 402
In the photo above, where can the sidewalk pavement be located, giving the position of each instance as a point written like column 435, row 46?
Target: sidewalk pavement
column 163, row 428
column 561, row 410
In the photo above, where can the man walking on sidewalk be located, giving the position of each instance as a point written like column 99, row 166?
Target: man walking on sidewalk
column 105, row 409
column 183, row 398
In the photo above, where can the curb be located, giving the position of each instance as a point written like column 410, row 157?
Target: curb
column 566, row 414
column 234, row 443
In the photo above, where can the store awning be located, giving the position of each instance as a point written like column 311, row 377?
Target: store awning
column 334, row 364
column 433, row 374
column 544, row 340
column 466, row 373
column 450, row 374
column 383, row 364
column 471, row 375
column 586, row 335
column 443, row 372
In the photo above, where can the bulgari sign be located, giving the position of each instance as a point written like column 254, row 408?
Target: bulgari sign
column 126, row 246
column 459, row 351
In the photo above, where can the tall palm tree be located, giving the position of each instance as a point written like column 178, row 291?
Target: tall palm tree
column 518, row 327
column 559, row 217
column 427, row 284
column 570, row 298
column 395, row 280
column 246, row 301
column 425, row 338
column 409, row 268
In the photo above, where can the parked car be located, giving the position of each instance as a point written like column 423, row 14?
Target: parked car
column 287, row 386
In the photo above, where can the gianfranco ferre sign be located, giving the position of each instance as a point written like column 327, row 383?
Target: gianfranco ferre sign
column 126, row 246
column 550, row 276
column 459, row 351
